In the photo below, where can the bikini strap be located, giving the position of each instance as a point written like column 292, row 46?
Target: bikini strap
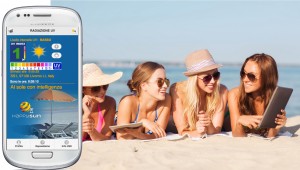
column 156, row 114
column 137, row 114
column 100, row 119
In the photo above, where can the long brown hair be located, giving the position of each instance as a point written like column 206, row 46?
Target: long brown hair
column 141, row 74
column 268, row 78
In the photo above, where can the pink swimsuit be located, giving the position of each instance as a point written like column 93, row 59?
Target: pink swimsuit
column 99, row 125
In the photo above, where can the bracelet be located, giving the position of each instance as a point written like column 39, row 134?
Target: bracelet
column 149, row 132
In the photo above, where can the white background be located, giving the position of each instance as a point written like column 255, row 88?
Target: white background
column 5, row 6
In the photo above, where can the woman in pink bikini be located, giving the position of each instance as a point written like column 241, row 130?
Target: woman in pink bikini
column 98, row 109
column 149, row 103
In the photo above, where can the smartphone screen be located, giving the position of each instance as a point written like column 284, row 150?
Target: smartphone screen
column 42, row 88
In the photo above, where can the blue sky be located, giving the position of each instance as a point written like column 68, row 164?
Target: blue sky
column 170, row 30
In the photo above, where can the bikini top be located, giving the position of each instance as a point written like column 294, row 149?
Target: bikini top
column 138, row 111
column 137, row 114
column 99, row 125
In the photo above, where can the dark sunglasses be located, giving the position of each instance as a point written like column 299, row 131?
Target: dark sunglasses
column 250, row 76
column 98, row 88
column 161, row 82
column 207, row 79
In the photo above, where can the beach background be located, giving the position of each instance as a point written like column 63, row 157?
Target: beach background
column 166, row 31
column 230, row 76
column 213, row 152
column 118, row 35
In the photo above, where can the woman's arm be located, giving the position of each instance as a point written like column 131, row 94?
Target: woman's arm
column 218, row 118
column 238, row 120
column 87, row 122
column 87, row 126
column 177, row 109
column 109, row 109
column 158, row 128
column 237, row 128
column 124, row 116
column 164, row 116
column 137, row 133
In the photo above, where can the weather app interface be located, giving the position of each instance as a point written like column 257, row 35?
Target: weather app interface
column 42, row 90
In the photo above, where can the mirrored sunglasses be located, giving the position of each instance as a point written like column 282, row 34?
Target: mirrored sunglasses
column 98, row 88
column 207, row 79
column 250, row 76
column 160, row 82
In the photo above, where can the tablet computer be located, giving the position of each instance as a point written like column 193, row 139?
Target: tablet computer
column 278, row 101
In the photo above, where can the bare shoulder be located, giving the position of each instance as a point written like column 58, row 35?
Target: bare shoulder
column 177, row 88
column 223, row 89
column 165, row 104
column 173, row 88
column 128, row 100
column 167, row 100
column 234, row 92
column 109, row 101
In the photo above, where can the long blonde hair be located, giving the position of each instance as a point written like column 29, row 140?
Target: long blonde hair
column 192, row 101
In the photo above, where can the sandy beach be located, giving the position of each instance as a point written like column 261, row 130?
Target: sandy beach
column 214, row 152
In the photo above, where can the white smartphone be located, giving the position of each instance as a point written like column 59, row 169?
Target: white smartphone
column 42, row 89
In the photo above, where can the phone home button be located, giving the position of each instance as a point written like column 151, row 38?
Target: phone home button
column 42, row 155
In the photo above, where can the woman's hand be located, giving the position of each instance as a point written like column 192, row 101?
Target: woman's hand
column 154, row 128
column 134, row 132
column 88, row 103
column 200, row 129
column 87, row 125
column 250, row 121
column 281, row 119
column 202, row 123
column 204, row 119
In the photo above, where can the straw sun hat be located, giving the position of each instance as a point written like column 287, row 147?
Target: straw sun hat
column 198, row 62
column 93, row 76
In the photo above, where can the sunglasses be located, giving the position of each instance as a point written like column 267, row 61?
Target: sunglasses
column 98, row 88
column 250, row 76
column 161, row 82
column 207, row 79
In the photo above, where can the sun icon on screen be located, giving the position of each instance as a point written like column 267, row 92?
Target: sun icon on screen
column 39, row 51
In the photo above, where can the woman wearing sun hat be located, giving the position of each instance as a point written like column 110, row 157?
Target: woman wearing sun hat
column 149, row 103
column 198, row 104
column 98, row 108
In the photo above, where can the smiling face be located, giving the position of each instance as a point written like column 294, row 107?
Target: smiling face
column 99, row 92
column 251, row 84
column 151, row 87
column 207, row 81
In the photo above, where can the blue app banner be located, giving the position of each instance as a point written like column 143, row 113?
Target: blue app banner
column 42, row 86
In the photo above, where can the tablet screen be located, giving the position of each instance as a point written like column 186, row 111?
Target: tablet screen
column 278, row 101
